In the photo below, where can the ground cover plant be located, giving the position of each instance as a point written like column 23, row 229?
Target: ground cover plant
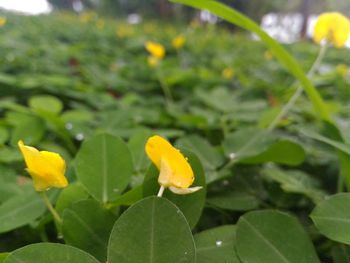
column 263, row 172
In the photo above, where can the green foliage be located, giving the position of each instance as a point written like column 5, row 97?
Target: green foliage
column 152, row 230
column 81, row 86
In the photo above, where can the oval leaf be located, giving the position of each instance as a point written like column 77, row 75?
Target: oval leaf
column 20, row 210
column 152, row 231
column 272, row 236
column 217, row 245
column 332, row 217
column 49, row 253
column 87, row 225
column 104, row 166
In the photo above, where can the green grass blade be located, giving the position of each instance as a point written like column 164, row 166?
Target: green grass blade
column 279, row 52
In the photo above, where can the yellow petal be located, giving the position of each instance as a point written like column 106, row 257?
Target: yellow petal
column 46, row 168
column 332, row 27
column 174, row 168
column 155, row 49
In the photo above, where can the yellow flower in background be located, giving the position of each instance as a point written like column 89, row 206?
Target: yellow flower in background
column 175, row 172
column 3, row 21
column 228, row 73
column 268, row 55
column 46, row 168
column 178, row 42
column 342, row 70
column 152, row 61
column 155, row 49
column 100, row 24
column 87, row 16
column 332, row 27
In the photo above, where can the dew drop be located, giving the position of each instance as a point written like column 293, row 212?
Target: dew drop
column 115, row 190
column 69, row 126
column 79, row 136
column 218, row 243
column 232, row 156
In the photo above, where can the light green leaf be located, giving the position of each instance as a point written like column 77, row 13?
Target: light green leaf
column 20, row 210
column 104, row 166
column 273, row 236
column 49, row 253
column 46, row 103
column 86, row 225
column 332, row 217
column 217, row 245
column 235, row 201
column 151, row 231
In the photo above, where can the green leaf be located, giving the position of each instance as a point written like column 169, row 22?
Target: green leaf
column 235, row 201
column 153, row 230
column 86, row 225
column 253, row 146
column 104, row 166
column 4, row 135
column 72, row 193
column 295, row 181
column 129, row 198
column 136, row 145
column 209, row 157
column 191, row 205
column 3, row 256
column 341, row 254
column 46, row 103
column 273, row 236
column 217, row 245
column 278, row 51
column 336, row 144
column 20, row 210
column 332, row 217
column 30, row 131
column 49, row 253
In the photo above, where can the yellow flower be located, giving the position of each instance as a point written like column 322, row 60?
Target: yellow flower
column 228, row 73
column 268, row 55
column 3, row 21
column 87, row 16
column 46, row 168
column 332, row 27
column 178, row 42
column 155, row 49
column 100, row 24
column 175, row 172
column 152, row 61
column 342, row 70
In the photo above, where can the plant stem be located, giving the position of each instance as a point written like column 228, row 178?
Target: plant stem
column 166, row 89
column 161, row 191
column 299, row 90
column 53, row 211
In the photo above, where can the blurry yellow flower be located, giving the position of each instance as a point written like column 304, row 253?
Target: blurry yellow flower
column 178, row 42
column 155, row 49
column 86, row 17
column 152, row 61
column 332, row 27
column 100, row 24
column 124, row 31
column 342, row 70
column 3, row 21
column 268, row 55
column 175, row 172
column 46, row 168
column 228, row 73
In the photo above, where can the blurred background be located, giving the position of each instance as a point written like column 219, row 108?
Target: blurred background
column 285, row 20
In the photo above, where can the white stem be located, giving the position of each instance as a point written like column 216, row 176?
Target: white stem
column 161, row 191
